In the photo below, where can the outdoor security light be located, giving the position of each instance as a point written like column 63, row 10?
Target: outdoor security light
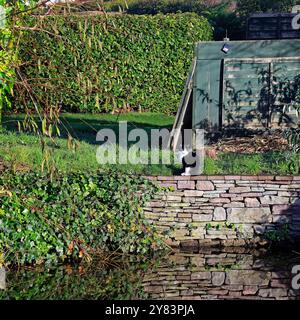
column 226, row 48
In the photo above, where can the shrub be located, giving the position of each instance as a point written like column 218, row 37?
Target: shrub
column 247, row 7
column 220, row 14
column 165, row 6
column 73, row 217
column 293, row 137
column 6, row 83
column 7, row 59
column 99, row 64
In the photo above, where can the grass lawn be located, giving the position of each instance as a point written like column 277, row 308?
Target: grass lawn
column 21, row 148
column 85, row 126
column 25, row 149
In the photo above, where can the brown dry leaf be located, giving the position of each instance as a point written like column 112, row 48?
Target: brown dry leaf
column 253, row 144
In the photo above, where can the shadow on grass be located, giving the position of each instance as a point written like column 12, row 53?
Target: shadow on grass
column 85, row 127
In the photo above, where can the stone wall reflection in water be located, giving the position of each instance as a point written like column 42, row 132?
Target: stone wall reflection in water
column 230, row 275
column 234, row 274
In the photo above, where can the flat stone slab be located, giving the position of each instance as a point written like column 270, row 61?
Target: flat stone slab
column 218, row 278
column 248, row 277
column 249, row 215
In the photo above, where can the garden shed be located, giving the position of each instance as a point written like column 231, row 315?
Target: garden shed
column 242, row 84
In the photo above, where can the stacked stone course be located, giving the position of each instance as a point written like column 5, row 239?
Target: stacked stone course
column 225, row 210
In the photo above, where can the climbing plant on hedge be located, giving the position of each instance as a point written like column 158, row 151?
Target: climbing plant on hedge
column 11, row 15
column 73, row 217
column 98, row 63
column 6, row 58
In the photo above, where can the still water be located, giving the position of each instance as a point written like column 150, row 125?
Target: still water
column 232, row 274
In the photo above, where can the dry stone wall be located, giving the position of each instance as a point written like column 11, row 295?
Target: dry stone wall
column 226, row 210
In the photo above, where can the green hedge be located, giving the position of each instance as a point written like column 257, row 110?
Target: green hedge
column 99, row 64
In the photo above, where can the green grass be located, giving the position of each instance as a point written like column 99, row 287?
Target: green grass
column 85, row 126
column 18, row 149
column 275, row 163
column 21, row 148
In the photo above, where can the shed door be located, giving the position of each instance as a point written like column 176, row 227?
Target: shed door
column 260, row 92
column 246, row 87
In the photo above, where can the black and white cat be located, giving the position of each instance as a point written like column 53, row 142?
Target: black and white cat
column 190, row 161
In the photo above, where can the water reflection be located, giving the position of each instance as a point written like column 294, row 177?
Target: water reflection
column 224, row 275
column 234, row 274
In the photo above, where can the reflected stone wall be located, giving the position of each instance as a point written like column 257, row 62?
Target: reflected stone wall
column 221, row 276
